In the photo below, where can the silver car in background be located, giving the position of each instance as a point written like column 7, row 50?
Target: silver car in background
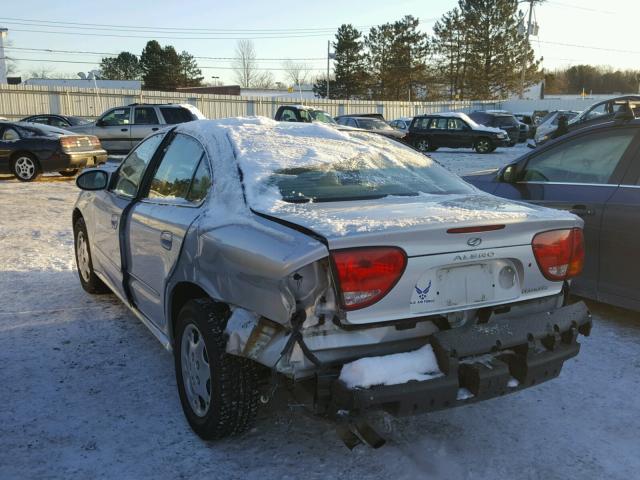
column 271, row 253
column 122, row 128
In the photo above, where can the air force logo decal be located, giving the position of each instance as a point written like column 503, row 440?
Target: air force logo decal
column 422, row 294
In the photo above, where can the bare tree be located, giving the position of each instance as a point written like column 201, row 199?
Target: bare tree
column 263, row 80
column 245, row 64
column 296, row 72
column 42, row 72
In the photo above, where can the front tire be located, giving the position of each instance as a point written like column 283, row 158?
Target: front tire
column 26, row 167
column 483, row 145
column 88, row 279
column 218, row 391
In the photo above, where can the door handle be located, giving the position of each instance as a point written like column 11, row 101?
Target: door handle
column 166, row 239
column 582, row 210
column 114, row 221
column 154, row 129
column 124, row 129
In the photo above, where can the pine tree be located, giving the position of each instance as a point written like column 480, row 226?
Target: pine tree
column 153, row 66
column 451, row 50
column 351, row 76
column 165, row 69
column 191, row 75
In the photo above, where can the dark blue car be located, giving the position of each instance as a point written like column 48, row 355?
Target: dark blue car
column 594, row 173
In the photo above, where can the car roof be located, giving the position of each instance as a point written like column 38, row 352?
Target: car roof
column 445, row 114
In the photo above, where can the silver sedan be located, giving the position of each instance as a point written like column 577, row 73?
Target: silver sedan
column 353, row 267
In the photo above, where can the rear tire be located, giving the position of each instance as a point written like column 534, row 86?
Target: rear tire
column 68, row 173
column 25, row 167
column 218, row 391
column 483, row 145
column 424, row 145
column 88, row 279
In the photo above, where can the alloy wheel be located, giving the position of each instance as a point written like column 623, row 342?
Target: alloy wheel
column 25, row 168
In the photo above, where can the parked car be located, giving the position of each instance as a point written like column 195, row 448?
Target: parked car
column 499, row 119
column 531, row 119
column 379, row 116
column 549, row 124
column 372, row 124
column 60, row 121
column 524, row 132
column 594, row 173
column 314, row 250
column 121, row 128
column 27, row 150
column 304, row 114
column 453, row 130
column 401, row 124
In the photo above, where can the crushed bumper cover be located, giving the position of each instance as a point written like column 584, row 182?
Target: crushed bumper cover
column 531, row 349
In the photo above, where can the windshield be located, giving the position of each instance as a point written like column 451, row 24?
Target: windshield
column 505, row 121
column 373, row 124
column 374, row 173
column 320, row 116
column 78, row 120
column 569, row 116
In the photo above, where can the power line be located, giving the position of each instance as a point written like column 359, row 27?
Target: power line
column 62, row 24
column 588, row 47
column 49, row 50
column 577, row 7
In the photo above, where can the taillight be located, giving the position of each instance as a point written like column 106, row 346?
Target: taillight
column 67, row 143
column 94, row 141
column 365, row 275
column 559, row 253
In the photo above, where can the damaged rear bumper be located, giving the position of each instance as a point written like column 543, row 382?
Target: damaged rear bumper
column 530, row 349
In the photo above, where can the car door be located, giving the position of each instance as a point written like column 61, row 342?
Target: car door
column 579, row 174
column 114, row 130
column 110, row 206
column 8, row 139
column 457, row 132
column 145, row 122
column 160, row 220
column 438, row 134
column 619, row 241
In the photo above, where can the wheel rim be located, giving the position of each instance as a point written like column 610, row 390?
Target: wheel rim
column 423, row 145
column 25, row 168
column 196, row 375
column 483, row 146
column 83, row 257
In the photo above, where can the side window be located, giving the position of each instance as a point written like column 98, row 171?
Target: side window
column 586, row 159
column 423, row 123
column 43, row 120
column 119, row 116
column 173, row 115
column 133, row 167
column 10, row 134
column 352, row 123
column 201, row 182
column 172, row 179
column 596, row 112
column 455, row 124
column 145, row 116
column 305, row 115
column 438, row 124
column 288, row 115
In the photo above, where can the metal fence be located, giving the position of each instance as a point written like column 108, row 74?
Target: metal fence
column 17, row 101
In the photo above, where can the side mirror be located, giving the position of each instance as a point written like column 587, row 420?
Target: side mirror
column 99, row 123
column 509, row 174
column 92, row 180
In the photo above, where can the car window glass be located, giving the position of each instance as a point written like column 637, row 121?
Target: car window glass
column 173, row 115
column 10, row 134
column 438, row 124
column 288, row 115
column 172, row 179
column 596, row 112
column 57, row 122
column 145, row 116
column 133, row 167
column 43, row 120
column 423, row 123
column 119, row 116
column 201, row 182
column 580, row 160
column 305, row 116
column 455, row 124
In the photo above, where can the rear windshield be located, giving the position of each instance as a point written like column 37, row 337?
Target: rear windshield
column 373, row 124
column 504, row 121
column 77, row 120
column 394, row 170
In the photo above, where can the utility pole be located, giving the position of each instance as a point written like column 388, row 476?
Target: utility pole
column 328, row 58
column 524, row 63
column 3, row 59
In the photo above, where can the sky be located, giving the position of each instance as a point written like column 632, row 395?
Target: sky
column 571, row 31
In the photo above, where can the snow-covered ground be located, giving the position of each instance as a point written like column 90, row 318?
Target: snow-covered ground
column 87, row 392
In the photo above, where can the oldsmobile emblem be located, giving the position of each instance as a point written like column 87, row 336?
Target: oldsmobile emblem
column 474, row 241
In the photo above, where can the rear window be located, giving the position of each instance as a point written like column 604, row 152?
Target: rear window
column 392, row 170
column 504, row 121
column 173, row 115
column 372, row 124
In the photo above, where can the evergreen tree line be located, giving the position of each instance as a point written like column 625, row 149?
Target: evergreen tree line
column 476, row 51
column 159, row 68
column 591, row 79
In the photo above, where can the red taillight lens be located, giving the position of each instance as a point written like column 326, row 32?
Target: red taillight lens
column 94, row 141
column 559, row 253
column 68, row 143
column 367, row 274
